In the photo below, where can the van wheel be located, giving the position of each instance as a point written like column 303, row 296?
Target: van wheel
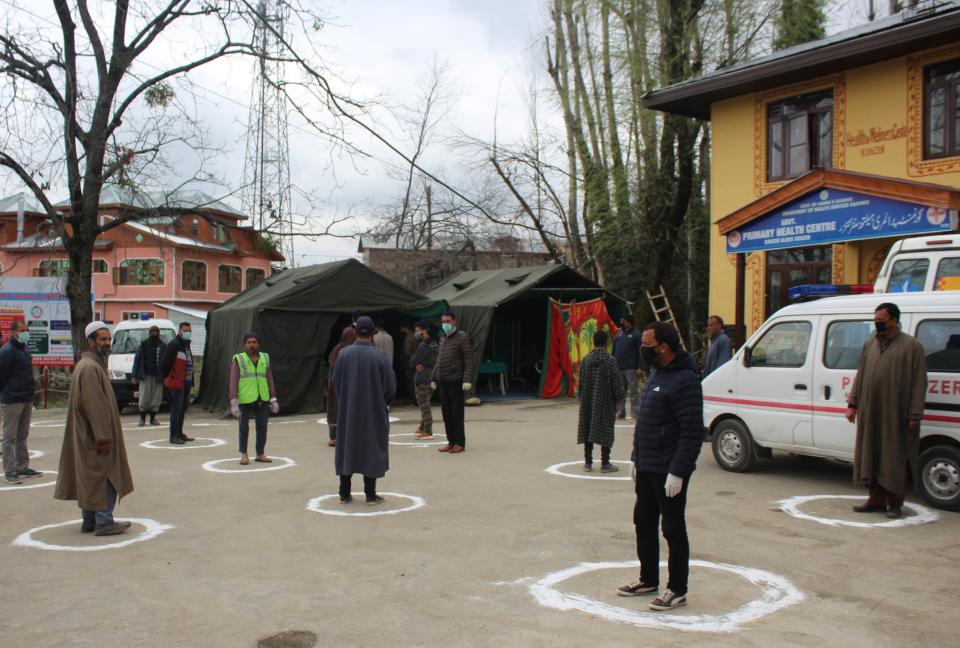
column 940, row 477
column 733, row 447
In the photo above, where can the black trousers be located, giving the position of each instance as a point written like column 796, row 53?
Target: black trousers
column 369, row 485
column 588, row 453
column 653, row 504
column 260, row 412
column 451, row 406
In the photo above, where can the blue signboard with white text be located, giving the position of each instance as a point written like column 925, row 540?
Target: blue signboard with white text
column 833, row 216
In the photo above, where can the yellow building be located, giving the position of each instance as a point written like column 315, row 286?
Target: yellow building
column 826, row 153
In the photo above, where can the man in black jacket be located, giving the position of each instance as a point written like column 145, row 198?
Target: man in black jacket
column 666, row 443
column 16, row 403
column 422, row 360
column 146, row 372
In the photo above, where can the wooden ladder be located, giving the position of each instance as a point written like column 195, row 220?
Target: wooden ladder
column 663, row 312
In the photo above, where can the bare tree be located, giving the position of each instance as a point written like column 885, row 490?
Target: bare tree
column 87, row 106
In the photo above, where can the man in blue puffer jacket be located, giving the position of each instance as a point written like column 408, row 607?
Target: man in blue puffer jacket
column 668, row 437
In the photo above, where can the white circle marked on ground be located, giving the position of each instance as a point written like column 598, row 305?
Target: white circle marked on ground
column 214, row 442
column 48, row 424
column 152, row 529
column 415, row 442
column 323, row 421
column 281, row 422
column 212, row 465
column 25, row 485
column 596, row 474
column 211, row 424
column 777, row 593
column 792, row 505
column 358, row 501
column 36, row 454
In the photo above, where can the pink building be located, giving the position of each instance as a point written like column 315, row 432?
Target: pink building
column 185, row 249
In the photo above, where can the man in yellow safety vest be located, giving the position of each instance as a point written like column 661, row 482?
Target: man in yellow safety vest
column 251, row 394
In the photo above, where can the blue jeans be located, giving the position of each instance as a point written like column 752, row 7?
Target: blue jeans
column 102, row 518
column 632, row 393
column 179, row 402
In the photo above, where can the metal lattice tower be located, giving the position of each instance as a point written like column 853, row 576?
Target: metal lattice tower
column 266, row 193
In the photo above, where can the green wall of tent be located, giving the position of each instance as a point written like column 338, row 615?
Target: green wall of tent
column 297, row 312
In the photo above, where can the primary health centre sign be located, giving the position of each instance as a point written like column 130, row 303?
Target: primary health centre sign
column 834, row 216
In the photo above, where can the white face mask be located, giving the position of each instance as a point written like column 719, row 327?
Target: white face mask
column 185, row 335
column 23, row 337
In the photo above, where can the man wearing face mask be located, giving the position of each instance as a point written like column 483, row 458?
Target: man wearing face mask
column 626, row 350
column 252, row 394
column 93, row 462
column 146, row 372
column 666, row 442
column 452, row 375
column 178, row 378
column 886, row 402
column 422, row 361
column 17, row 388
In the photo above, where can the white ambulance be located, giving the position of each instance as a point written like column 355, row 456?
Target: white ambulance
column 786, row 389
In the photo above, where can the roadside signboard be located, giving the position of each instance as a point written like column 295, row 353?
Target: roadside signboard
column 42, row 303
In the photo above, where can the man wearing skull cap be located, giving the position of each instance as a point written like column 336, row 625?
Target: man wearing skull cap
column 93, row 462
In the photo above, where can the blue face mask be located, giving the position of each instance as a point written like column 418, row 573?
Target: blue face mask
column 23, row 337
column 185, row 335
column 448, row 328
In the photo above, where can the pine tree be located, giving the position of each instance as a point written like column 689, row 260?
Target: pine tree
column 800, row 21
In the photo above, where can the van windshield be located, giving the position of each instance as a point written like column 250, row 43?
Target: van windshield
column 128, row 340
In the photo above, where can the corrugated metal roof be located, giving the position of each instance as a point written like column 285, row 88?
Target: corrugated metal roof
column 11, row 204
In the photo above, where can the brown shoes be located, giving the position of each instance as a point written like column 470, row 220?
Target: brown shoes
column 455, row 449
column 422, row 435
column 263, row 459
column 244, row 460
column 445, row 448
column 332, row 442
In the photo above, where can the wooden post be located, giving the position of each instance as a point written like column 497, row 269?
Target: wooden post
column 740, row 326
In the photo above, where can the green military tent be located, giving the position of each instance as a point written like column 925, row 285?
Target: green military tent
column 505, row 312
column 299, row 314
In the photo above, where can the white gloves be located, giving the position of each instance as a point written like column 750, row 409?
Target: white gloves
column 433, row 386
column 673, row 486
column 235, row 408
column 466, row 386
column 274, row 406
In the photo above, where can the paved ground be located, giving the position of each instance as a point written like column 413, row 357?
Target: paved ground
column 247, row 559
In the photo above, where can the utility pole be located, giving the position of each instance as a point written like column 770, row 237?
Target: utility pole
column 429, row 190
column 266, row 193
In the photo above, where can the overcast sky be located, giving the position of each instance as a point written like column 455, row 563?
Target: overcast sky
column 379, row 49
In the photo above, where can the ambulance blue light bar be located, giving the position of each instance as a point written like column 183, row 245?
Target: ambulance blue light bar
column 816, row 291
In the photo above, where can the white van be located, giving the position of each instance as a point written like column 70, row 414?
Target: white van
column 921, row 263
column 786, row 389
column 127, row 336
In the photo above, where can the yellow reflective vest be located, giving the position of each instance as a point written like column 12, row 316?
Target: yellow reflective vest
column 253, row 384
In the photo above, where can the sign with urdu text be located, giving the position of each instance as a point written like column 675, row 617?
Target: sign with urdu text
column 834, row 216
